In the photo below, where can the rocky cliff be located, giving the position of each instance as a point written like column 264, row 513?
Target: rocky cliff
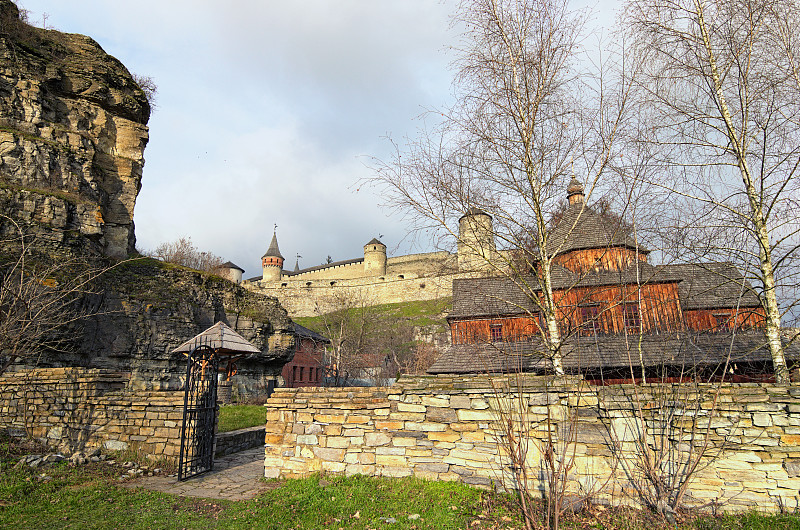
column 73, row 128
column 72, row 137
column 146, row 308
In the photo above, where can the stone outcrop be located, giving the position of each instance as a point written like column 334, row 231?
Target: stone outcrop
column 144, row 308
column 73, row 128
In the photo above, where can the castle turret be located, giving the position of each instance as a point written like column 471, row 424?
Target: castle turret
column 374, row 258
column 272, row 261
column 476, row 248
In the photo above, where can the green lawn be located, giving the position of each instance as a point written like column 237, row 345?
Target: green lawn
column 235, row 417
column 90, row 496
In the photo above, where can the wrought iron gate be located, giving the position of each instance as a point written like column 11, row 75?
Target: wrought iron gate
column 199, row 413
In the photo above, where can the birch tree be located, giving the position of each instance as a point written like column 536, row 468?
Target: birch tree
column 722, row 93
column 528, row 116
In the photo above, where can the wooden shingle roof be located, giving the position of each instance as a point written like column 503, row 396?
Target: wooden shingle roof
column 700, row 286
column 220, row 337
column 582, row 228
column 304, row 332
column 610, row 351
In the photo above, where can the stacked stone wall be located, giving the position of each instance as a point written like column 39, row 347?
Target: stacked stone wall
column 77, row 408
column 447, row 428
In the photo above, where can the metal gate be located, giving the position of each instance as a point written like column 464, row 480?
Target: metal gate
column 199, row 413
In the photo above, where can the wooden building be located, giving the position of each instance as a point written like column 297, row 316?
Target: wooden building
column 616, row 311
column 307, row 367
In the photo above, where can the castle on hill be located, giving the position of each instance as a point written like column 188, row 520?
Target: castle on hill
column 375, row 278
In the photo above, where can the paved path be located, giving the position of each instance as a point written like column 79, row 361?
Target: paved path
column 234, row 477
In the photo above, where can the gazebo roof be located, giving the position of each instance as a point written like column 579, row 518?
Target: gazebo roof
column 221, row 338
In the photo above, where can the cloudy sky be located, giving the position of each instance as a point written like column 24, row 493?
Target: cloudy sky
column 268, row 112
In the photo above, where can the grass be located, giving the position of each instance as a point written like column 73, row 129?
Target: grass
column 91, row 497
column 235, row 417
column 418, row 313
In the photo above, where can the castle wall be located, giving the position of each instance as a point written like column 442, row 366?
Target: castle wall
column 451, row 429
column 301, row 300
column 347, row 271
column 426, row 276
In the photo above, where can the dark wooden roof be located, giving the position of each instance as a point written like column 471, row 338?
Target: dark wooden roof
column 700, row 286
column 375, row 241
column 711, row 285
column 582, row 228
column 273, row 251
column 305, row 333
column 610, row 351
column 220, row 337
column 230, row 265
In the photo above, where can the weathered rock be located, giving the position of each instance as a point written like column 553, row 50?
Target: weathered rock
column 72, row 137
column 73, row 127
column 145, row 309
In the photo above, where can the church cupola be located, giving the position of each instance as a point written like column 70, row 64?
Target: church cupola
column 575, row 192
column 272, row 261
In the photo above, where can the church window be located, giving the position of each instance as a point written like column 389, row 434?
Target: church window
column 631, row 317
column 589, row 319
column 496, row 332
column 294, row 374
column 723, row 321
column 302, row 370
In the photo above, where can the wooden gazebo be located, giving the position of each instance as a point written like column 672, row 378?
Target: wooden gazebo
column 204, row 354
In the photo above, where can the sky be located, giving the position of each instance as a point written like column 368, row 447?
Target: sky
column 269, row 112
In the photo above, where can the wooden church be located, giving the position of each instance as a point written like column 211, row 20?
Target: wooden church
column 619, row 315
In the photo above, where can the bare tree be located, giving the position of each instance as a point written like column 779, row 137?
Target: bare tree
column 183, row 252
column 720, row 89
column 149, row 87
column 39, row 297
column 525, row 121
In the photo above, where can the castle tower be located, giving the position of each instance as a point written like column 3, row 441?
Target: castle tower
column 272, row 262
column 476, row 247
column 374, row 258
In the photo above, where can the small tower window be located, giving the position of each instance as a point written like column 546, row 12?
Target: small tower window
column 308, row 284
column 401, row 276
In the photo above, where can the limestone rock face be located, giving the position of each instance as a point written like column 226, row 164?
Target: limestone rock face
column 144, row 309
column 73, row 128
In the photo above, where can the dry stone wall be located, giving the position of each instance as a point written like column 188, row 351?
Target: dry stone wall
column 75, row 408
column 447, row 428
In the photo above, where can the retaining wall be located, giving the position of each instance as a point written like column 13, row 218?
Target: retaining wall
column 447, row 428
column 231, row 442
column 77, row 408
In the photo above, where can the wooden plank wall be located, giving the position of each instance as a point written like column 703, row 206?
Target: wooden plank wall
column 610, row 259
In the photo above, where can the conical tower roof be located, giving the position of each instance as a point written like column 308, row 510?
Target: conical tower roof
column 273, row 251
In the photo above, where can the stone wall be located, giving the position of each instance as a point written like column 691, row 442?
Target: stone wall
column 447, row 428
column 228, row 443
column 77, row 408
column 306, row 298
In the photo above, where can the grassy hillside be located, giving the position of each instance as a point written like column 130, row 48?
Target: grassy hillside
column 419, row 314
